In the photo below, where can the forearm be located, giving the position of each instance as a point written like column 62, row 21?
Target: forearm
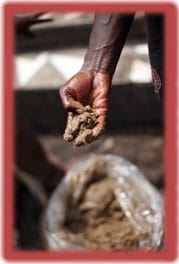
column 107, row 39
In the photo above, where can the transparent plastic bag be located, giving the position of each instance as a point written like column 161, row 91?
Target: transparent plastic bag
column 140, row 201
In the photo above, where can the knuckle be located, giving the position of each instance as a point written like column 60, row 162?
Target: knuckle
column 61, row 92
column 67, row 106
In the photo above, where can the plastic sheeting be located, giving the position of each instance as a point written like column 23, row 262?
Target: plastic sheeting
column 140, row 201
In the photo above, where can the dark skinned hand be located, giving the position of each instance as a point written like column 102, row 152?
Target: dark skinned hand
column 24, row 21
column 87, row 88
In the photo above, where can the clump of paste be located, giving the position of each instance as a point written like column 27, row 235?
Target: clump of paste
column 80, row 127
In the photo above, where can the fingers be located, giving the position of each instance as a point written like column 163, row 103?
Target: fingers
column 39, row 14
column 24, row 22
column 100, row 127
column 66, row 135
column 74, row 106
column 38, row 18
column 69, row 103
column 42, row 20
column 69, row 118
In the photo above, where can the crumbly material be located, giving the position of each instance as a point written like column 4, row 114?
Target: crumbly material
column 99, row 222
column 80, row 127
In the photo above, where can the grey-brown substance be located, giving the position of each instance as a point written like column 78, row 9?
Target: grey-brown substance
column 99, row 222
column 80, row 127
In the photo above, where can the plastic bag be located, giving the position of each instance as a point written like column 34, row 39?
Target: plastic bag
column 140, row 201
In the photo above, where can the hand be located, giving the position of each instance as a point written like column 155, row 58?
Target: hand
column 24, row 21
column 88, row 88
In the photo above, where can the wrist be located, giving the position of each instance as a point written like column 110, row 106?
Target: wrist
column 99, row 61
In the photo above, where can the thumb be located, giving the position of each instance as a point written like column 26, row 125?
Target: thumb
column 69, row 103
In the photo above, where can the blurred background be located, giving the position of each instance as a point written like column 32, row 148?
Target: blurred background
column 43, row 62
